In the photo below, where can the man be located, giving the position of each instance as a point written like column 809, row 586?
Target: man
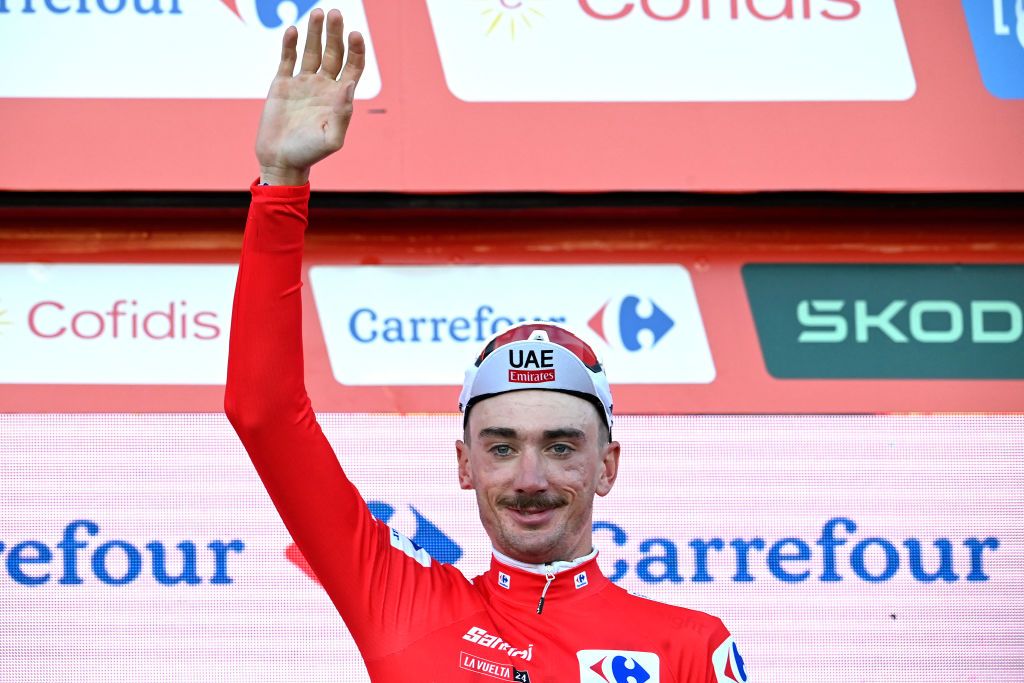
column 536, row 449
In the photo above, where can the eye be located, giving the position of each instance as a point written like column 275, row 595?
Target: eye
column 501, row 450
column 562, row 449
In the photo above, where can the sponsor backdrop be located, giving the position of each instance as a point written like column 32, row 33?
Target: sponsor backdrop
column 363, row 332
column 856, row 548
column 888, row 321
column 705, row 336
column 138, row 544
column 480, row 95
column 73, row 323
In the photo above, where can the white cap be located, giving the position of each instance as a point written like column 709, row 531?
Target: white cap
column 538, row 355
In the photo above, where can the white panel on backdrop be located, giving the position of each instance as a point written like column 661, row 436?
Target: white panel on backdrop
column 672, row 50
column 857, row 548
column 423, row 325
column 114, row 324
column 156, row 48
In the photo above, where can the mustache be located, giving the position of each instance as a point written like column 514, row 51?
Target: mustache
column 533, row 501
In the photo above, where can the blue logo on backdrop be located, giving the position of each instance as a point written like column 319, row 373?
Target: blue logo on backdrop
column 428, row 537
column 267, row 10
column 78, row 558
column 631, row 324
column 997, row 31
column 837, row 554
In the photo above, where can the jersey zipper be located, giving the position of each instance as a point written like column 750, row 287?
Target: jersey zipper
column 540, row 605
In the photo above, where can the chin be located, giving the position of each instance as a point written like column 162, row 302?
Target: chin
column 535, row 550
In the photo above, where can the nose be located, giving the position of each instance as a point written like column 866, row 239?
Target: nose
column 530, row 474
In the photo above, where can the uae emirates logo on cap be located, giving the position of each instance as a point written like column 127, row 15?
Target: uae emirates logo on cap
column 531, row 376
column 530, row 366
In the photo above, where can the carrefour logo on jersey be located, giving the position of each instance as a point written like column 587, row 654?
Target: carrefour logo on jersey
column 114, row 324
column 679, row 50
column 423, row 325
column 242, row 37
column 618, row 666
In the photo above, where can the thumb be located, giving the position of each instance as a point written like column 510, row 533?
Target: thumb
column 337, row 124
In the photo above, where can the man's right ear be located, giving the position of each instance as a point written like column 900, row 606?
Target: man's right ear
column 465, row 476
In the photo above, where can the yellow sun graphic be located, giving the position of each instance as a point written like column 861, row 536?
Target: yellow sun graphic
column 511, row 13
column 3, row 320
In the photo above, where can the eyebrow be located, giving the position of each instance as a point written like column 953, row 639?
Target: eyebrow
column 565, row 433
column 498, row 433
column 548, row 435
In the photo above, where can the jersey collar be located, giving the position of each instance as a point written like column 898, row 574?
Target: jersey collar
column 541, row 588
column 543, row 569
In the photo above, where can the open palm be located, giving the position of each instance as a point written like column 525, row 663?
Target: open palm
column 307, row 114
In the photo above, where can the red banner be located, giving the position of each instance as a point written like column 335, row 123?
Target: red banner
column 735, row 317
column 594, row 95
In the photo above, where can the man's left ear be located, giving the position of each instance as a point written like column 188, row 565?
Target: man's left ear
column 609, row 468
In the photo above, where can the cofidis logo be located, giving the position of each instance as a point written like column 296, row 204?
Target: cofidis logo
column 155, row 48
column 672, row 50
column 506, row 17
column 403, row 326
column 115, row 324
column 997, row 30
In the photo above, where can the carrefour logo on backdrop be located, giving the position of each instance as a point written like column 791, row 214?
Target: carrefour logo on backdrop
column 423, row 325
column 621, row 322
column 681, row 50
column 85, row 555
column 268, row 10
column 242, row 37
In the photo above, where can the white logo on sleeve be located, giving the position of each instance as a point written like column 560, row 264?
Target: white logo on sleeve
column 728, row 663
column 618, row 666
column 409, row 548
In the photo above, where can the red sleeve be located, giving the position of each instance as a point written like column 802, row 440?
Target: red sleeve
column 724, row 664
column 368, row 577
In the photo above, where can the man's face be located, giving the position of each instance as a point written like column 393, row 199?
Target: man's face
column 535, row 459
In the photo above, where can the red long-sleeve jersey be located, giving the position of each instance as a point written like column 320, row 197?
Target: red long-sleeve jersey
column 412, row 618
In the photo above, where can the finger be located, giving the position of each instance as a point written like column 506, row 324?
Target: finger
column 287, row 66
column 356, row 58
column 311, row 54
column 334, row 44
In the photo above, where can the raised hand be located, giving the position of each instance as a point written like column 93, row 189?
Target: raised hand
column 307, row 114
